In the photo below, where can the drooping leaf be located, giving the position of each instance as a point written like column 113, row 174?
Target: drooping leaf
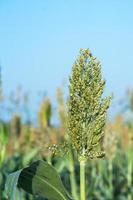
column 39, row 179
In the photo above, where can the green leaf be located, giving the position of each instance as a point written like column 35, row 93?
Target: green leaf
column 11, row 189
column 39, row 179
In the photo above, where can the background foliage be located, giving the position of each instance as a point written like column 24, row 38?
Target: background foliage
column 22, row 142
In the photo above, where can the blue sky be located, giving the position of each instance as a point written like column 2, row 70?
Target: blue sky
column 40, row 39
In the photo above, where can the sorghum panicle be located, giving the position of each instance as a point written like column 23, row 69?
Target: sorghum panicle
column 86, row 107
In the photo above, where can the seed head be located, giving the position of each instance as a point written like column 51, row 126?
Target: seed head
column 86, row 108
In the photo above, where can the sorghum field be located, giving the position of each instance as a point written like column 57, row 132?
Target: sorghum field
column 108, row 173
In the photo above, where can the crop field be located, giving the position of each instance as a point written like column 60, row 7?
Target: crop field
column 108, row 173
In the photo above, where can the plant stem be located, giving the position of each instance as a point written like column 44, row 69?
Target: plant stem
column 129, row 175
column 72, row 176
column 110, row 167
column 82, row 180
column 73, row 185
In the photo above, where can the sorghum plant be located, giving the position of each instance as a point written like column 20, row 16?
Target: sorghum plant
column 86, row 110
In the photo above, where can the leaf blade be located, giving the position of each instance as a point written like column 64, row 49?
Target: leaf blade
column 42, row 179
column 11, row 189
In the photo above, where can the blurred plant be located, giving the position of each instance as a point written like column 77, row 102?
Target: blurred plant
column 118, row 140
column 62, row 110
column 130, row 152
column 45, row 134
column 16, row 125
column 110, row 145
column 4, row 137
column 131, row 99
column 44, row 114
column 128, row 144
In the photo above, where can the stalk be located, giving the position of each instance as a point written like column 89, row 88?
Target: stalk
column 73, row 185
column 129, row 175
column 110, row 167
column 82, row 180
column 72, row 176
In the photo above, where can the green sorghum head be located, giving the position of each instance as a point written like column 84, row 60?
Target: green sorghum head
column 87, row 109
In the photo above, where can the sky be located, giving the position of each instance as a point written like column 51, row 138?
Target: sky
column 40, row 40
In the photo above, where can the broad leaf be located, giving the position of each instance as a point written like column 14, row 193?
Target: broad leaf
column 11, row 189
column 39, row 179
